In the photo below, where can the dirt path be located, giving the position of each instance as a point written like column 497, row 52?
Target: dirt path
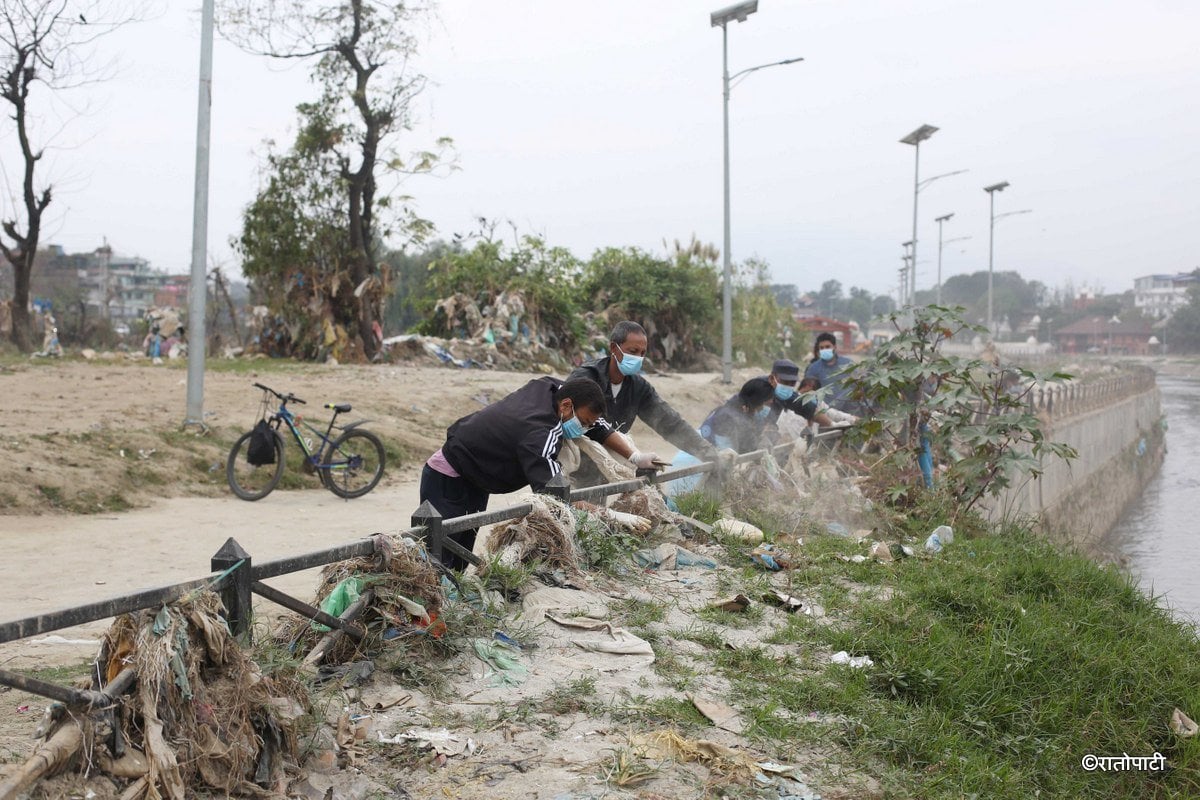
column 107, row 433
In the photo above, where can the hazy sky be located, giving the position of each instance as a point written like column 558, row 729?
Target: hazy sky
column 597, row 124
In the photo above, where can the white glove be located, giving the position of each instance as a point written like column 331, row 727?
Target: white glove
column 631, row 521
column 643, row 460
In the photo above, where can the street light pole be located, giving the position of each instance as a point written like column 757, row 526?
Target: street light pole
column 197, row 288
column 939, row 221
column 721, row 19
column 727, row 268
column 991, row 190
column 915, row 138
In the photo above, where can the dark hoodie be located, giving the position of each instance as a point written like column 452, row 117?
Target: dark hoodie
column 512, row 443
column 638, row 399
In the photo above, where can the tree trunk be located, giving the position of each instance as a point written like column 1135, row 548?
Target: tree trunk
column 22, row 323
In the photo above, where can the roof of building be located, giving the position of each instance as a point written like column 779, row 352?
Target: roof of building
column 1104, row 326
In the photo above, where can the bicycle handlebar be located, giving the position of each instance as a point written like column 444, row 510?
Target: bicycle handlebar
column 286, row 398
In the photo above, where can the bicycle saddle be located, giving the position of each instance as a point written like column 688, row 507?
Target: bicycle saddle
column 341, row 408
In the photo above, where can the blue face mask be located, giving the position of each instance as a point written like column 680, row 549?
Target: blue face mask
column 825, row 355
column 785, row 392
column 629, row 364
column 763, row 412
column 573, row 428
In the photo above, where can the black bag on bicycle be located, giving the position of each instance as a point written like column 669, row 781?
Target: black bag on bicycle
column 262, row 445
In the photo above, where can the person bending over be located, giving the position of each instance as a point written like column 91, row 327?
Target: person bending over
column 508, row 445
column 738, row 423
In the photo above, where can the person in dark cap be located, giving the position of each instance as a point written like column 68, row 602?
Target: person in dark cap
column 785, row 375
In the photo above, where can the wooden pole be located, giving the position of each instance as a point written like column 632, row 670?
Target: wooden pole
column 51, row 756
column 318, row 653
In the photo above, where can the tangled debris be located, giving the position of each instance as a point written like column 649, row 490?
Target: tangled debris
column 406, row 599
column 203, row 714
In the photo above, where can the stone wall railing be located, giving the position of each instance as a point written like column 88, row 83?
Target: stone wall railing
column 1080, row 396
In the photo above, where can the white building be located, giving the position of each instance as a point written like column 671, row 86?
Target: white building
column 1160, row 296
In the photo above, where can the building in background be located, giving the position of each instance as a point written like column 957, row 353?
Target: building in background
column 1160, row 296
column 1106, row 336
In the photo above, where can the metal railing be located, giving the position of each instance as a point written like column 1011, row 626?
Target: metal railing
column 237, row 578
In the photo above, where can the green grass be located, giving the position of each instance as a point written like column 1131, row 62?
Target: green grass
column 634, row 613
column 998, row 665
column 701, row 506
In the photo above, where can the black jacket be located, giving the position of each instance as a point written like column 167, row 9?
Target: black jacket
column 729, row 426
column 638, row 399
column 510, row 444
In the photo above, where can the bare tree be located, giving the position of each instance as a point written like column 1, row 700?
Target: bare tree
column 49, row 45
column 361, row 51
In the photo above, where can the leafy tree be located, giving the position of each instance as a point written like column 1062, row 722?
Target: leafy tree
column 829, row 298
column 860, row 307
column 677, row 299
column 361, row 51
column 1183, row 328
column 972, row 412
column 763, row 329
column 410, row 277
column 48, row 46
column 786, row 294
column 546, row 278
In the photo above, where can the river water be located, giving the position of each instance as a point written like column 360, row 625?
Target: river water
column 1158, row 534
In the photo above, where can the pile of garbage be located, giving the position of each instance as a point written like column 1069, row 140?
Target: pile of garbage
column 202, row 714
column 400, row 595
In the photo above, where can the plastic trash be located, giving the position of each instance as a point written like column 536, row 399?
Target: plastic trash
column 1182, row 725
column 740, row 530
column 736, row 603
column 854, row 662
column 925, row 459
column 342, row 597
column 509, row 671
column 837, row 529
column 934, row 543
column 771, row 557
column 686, row 558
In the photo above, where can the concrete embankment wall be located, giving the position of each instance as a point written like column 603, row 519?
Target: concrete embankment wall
column 1115, row 424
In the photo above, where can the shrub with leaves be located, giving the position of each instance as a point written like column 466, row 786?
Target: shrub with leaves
column 973, row 412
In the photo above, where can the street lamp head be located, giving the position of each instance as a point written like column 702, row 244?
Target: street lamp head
column 944, row 218
column 919, row 135
column 734, row 13
column 996, row 187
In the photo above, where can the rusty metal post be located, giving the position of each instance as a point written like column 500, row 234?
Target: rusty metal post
column 236, row 593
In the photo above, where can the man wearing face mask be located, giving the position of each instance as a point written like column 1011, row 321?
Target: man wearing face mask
column 510, row 444
column 785, row 374
column 829, row 368
column 629, row 396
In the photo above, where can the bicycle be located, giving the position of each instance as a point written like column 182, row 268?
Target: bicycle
column 349, row 465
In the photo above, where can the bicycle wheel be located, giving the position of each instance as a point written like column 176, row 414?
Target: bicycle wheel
column 354, row 464
column 248, row 481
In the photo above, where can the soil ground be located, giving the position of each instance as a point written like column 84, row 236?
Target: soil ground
column 102, row 492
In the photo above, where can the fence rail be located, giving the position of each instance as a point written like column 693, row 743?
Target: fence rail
column 237, row 578
column 1081, row 396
